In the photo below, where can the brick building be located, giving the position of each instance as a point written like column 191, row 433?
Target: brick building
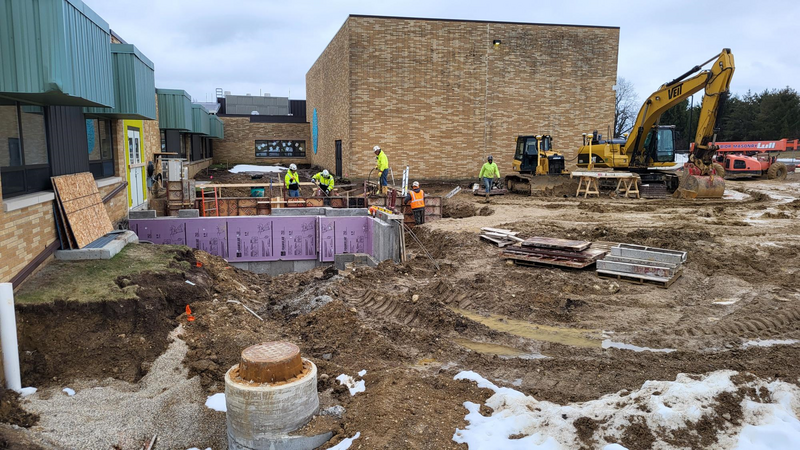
column 278, row 132
column 440, row 95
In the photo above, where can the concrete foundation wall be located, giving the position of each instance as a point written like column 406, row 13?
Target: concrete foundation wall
column 294, row 240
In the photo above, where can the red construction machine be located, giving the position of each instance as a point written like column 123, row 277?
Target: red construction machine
column 747, row 159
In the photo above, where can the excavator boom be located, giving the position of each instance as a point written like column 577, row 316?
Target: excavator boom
column 716, row 82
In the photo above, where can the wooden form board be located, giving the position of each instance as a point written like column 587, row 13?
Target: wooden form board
column 561, row 244
column 79, row 202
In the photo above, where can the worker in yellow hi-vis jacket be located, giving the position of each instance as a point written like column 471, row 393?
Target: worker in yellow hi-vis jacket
column 382, row 166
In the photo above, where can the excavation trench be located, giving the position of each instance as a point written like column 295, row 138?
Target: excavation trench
column 65, row 340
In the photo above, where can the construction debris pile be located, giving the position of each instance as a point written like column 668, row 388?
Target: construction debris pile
column 626, row 262
column 554, row 252
column 640, row 264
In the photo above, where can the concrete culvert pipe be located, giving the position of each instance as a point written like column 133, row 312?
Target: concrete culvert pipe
column 270, row 393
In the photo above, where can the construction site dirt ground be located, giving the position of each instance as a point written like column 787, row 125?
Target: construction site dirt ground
column 413, row 327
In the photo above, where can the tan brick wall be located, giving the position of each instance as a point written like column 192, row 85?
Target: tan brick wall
column 439, row 97
column 196, row 166
column 239, row 145
column 328, row 90
column 24, row 234
column 117, row 207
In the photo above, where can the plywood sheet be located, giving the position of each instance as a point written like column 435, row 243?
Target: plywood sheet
column 83, row 207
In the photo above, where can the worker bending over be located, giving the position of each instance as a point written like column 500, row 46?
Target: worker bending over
column 489, row 172
column 416, row 198
column 324, row 181
column 292, row 181
column 382, row 166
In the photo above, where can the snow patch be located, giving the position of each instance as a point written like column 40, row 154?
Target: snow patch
column 362, row 373
column 354, row 386
column 249, row 168
column 217, row 402
column 26, row 391
column 69, row 391
column 769, row 342
column 346, row 443
column 195, row 448
column 608, row 343
column 546, row 425
column 730, row 194
column 726, row 303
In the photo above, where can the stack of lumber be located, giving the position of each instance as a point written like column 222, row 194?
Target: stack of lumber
column 499, row 237
column 642, row 265
column 81, row 217
column 554, row 252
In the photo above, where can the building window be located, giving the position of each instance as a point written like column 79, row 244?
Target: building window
column 163, row 141
column 24, row 161
column 280, row 149
column 101, row 149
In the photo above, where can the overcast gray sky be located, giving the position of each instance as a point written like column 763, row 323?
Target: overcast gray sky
column 252, row 46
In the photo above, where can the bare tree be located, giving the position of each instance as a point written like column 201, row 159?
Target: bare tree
column 626, row 107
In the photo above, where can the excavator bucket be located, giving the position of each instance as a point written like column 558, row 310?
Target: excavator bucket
column 700, row 186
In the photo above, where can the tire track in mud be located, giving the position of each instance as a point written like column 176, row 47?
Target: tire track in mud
column 385, row 306
column 768, row 325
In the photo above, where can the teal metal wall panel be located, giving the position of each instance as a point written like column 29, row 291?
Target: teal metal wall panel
column 216, row 127
column 134, row 86
column 200, row 124
column 55, row 52
column 174, row 109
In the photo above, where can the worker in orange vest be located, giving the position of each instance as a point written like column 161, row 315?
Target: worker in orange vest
column 416, row 198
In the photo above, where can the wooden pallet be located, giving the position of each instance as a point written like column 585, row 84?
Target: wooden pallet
column 640, row 279
column 500, row 242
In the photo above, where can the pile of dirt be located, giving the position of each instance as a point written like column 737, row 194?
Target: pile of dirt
column 11, row 412
column 756, row 196
column 793, row 205
column 459, row 210
column 775, row 215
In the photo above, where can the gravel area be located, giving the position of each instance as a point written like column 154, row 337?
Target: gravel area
column 114, row 414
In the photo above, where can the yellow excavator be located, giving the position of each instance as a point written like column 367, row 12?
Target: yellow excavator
column 650, row 148
column 535, row 162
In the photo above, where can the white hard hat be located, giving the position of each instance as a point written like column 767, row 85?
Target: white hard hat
column 415, row 184
column 377, row 148
column 325, row 173
column 292, row 167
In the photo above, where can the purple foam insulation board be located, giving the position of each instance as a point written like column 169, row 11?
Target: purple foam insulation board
column 161, row 231
column 295, row 238
column 327, row 238
column 251, row 239
column 353, row 235
column 209, row 235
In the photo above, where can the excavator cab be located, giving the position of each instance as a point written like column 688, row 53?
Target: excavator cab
column 535, row 155
column 660, row 144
